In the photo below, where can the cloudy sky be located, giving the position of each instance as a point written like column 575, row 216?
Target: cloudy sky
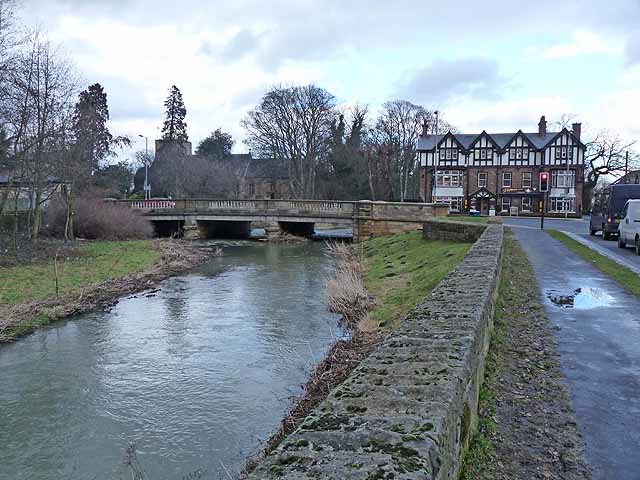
column 494, row 65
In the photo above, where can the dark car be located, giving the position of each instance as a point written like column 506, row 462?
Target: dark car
column 608, row 206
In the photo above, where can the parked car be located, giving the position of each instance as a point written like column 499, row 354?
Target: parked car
column 607, row 209
column 629, row 230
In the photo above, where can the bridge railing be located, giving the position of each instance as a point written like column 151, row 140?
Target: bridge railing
column 316, row 206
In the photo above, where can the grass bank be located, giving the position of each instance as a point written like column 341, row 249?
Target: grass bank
column 84, row 277
column 625, row 277
column 399, row 270
column 77, row 268
column 526, row 427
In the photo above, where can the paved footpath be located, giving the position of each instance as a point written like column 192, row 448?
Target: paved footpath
column 598, row 335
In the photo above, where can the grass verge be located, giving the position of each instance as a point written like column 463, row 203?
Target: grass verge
column 625, row 277
column 401, row 269
column 86, row 265
column 526, row 426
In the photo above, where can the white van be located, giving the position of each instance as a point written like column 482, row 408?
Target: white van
column 629, row 229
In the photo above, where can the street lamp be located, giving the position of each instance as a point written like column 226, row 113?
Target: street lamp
column 147, row 190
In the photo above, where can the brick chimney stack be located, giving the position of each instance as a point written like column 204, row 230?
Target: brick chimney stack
column 542, row 126
column 577, row 130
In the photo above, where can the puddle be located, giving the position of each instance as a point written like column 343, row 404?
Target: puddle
column 581, row 299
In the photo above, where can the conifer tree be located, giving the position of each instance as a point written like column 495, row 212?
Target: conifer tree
column 175, row 128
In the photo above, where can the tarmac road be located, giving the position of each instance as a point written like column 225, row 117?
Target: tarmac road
column 598, row 336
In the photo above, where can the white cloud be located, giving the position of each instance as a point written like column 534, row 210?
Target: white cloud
column 584, row 43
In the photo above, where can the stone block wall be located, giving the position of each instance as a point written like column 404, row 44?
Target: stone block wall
column 409, row 410
column 452, row 231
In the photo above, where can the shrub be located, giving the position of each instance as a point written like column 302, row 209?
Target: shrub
column 346, row 292
column 96, row 219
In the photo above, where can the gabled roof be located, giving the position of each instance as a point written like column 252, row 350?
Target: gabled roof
column 539, row 142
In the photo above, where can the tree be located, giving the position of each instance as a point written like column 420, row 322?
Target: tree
column 605, row 154
column 293, row 125
column 217, row 146
column 93, row 138
column 343, row 175
column 175, row 128
column 114, row 180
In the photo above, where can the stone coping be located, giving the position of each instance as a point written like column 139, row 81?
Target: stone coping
column 410, row 408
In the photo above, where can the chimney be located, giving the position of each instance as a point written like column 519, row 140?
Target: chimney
column 577, row 129
column 425, row 129
column 542, row 126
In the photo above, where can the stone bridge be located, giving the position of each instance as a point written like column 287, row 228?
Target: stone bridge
column 213, row 218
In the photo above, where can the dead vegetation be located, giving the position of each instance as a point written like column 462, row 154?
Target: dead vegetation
column 346, row 292
column 23, row 318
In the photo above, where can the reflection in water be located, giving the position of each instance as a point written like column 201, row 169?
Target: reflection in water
column 584, row 298
column 194, row 374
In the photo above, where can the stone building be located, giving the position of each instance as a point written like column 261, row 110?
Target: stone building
column 498, row 173
column 245, row 176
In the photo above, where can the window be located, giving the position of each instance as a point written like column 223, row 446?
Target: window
column 506, row 179
column 252, row 189
column 482, row 179
column 526, row 179
column 518, row 153
column 506, row 204
column 448, row 154
column 557, row 153
column 526, row 204
column 483, row 154
column 454, row 154
column 563, row 178
column 449, row 178
column 442, row 154
column 455, row 203
column 563, row 152
column 525, row 153
column 512, row 154
column 561, row 205
column 489, row 153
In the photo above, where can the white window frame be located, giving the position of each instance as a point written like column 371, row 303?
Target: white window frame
column 454, row 154
column 526, row 204
column 455, row 203
column 561, row 204
column 563, row 179
column 485, row 178
column 505, row 201
column 518, row 154
column 530, row 179
column 563, row 153
column 512, row 154
column 483, row 154
column 442, row 154
column 449, row 178
column 506, row 175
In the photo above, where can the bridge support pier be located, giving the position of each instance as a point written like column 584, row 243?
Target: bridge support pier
column 273, row 230
column 190, row 228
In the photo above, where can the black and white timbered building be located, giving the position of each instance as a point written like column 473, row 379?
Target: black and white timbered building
column 498, row 173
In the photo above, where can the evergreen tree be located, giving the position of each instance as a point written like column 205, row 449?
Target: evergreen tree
column 216, row 146
column 93, row 139
column 175, row 128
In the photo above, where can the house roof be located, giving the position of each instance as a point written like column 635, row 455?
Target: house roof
column 501, row 139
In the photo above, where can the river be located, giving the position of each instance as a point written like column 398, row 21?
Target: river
column 196, row 374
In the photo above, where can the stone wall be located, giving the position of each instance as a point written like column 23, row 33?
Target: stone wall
column 409, row 410
column 452, row 231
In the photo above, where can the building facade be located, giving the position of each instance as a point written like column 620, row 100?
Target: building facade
column 498, row 173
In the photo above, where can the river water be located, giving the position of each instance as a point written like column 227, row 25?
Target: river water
column 196, row 374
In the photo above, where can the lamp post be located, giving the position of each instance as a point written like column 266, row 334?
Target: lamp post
column 147, row 190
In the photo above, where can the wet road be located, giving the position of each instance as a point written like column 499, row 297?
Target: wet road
column 580, row 227
column 598, row 335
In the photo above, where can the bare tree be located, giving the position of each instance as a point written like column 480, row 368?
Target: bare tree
column 292, row 124
column 605, row 154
